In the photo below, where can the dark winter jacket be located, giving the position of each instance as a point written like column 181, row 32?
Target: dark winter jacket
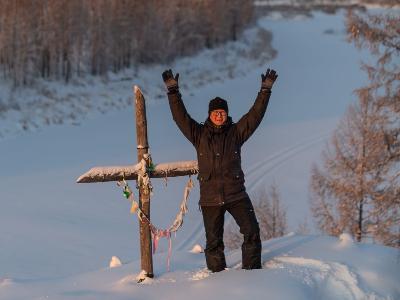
column 218, row 149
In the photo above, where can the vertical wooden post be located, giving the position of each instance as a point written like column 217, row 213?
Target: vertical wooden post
column 144, row 198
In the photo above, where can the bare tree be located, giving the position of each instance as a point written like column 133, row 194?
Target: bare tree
column 277, row 216
column 380, row 33
column 356, row 166
column 66, row 38
column 358, row 187
column 303, row 227
column 271, row 216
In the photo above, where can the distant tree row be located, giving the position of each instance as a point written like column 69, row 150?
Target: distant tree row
column 357, row 189
column 62, row 39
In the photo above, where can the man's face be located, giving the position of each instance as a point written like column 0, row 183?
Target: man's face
column 218, row 117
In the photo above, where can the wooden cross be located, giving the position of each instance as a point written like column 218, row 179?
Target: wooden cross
column 130, row 172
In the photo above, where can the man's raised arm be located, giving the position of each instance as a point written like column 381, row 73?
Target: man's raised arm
column 189, row 127
column 250, row 121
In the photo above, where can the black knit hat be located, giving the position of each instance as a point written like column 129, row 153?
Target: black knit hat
column 217, row 103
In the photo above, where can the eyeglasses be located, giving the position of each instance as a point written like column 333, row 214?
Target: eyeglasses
column 219, row 113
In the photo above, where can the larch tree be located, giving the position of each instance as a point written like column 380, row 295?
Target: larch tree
column 277, row 215
column 358, row 187
column 345, row 190
column 380, row 33
column 303, row 227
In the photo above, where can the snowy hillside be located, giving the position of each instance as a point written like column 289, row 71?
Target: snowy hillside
column 294, row 267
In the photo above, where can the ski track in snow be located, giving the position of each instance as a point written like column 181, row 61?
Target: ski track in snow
column 255, row 174
column 257, row 171
column 305, row 142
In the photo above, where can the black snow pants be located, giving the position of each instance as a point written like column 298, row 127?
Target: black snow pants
column 243, row 213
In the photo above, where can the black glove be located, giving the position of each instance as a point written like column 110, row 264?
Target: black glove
column 267, row 80
column 170, row 81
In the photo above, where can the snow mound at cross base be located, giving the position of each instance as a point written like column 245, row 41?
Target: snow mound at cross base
column 294, row 267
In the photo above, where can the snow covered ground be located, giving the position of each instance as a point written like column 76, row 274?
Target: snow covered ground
column 295, row 267
column 57, row 237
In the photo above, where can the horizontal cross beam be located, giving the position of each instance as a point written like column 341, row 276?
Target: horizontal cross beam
column 116, row 173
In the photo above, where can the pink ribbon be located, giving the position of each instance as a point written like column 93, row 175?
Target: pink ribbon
column 156, row 235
